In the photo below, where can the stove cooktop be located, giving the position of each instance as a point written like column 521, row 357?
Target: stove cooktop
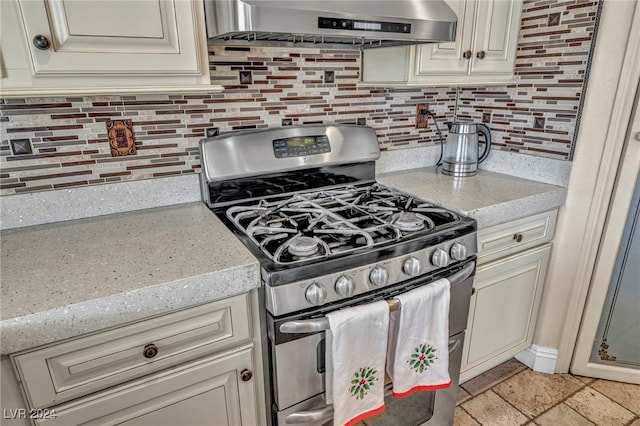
column 325, row 224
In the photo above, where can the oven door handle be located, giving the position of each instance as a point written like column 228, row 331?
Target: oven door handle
column 320, row 324
column 311, row 416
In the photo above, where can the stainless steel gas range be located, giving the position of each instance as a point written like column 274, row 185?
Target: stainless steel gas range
column 304, row 200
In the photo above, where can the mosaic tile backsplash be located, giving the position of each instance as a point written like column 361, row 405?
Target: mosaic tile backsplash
column 269, row 87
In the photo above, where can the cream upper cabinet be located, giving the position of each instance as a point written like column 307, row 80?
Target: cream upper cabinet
column 483, row 52
column 71, row 45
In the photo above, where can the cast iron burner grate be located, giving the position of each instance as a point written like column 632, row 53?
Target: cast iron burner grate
column 337, row 221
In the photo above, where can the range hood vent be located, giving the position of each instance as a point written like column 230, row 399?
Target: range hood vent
column 353, row 24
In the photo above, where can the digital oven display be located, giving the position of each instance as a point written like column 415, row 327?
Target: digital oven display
column 299, row 146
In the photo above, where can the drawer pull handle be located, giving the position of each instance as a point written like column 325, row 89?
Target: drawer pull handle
column 150, row 351
column 517, row 237
column 246, row 375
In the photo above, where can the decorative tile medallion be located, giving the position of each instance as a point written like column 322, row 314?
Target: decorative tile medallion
column 329, row 76
column 246, row 77
column 554, row 19
column 21, row 147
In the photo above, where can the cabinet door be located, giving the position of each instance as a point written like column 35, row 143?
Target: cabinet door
column 112, row 37
column 503, row 309
column 495, row 37
column 448, row 58
column 205, row 392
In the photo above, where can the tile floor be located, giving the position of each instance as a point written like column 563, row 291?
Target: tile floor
column 511, row 394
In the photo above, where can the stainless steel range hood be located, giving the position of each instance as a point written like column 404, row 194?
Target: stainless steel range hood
column 355, row 24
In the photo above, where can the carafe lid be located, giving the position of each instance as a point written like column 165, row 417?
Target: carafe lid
column 463, row 127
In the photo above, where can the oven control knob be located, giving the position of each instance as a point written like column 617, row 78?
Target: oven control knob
column 345, row 286
column 378, row 276
column 315, row 294
column 411, row 266
column 440, row 258
column 458, row 251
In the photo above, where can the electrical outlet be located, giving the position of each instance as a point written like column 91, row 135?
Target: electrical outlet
column 421, row 116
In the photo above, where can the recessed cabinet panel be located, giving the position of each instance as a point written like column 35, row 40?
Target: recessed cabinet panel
column 205, row 392
column 504, row 309
column 100, row 19
column 495, row 41
column 112, row 37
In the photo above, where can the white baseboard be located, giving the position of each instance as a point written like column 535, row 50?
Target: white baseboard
column 542, row 360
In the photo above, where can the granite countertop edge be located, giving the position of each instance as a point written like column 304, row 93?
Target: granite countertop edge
column 41, row 328
column 497, row 214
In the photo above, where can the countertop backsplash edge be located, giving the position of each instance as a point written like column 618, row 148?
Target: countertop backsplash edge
column 37, row 208
column 539, row 169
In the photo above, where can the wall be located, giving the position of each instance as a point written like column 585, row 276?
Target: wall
column 537, row 116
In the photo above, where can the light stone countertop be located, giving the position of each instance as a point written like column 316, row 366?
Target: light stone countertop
column 490, row 198
column 70, row 278
column 66, row 279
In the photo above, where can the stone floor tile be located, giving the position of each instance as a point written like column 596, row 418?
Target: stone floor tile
column 625, row 394
column 561, row 415
column 462, row 418
column 489, row 409
column 636, row 422
column 463, row 395
column 585, row 380
column 533, row 393
column 598, row 408
column 491, row 377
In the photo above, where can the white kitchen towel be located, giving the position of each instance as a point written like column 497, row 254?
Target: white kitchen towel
column 356, row 346
column 418, row 352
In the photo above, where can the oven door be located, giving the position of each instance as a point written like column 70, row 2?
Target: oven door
column 297, row 361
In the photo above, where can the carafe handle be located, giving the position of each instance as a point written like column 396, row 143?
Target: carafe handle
column 486, row 132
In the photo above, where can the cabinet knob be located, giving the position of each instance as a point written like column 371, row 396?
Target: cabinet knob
column 517, row 237
column 246, row 375
column 466, row 54
column 150, row 350
column 41, row 42
column 480, row 55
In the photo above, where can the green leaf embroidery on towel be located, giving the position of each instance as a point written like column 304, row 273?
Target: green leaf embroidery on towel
column 422, row 357
column 363, row 380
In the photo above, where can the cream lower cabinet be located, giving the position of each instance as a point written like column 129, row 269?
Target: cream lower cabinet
column 199, row 366
column 512, row 265
column 484, row 50
column 209, row 391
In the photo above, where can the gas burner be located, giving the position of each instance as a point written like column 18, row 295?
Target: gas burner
column 409, row 222
column 303, row 246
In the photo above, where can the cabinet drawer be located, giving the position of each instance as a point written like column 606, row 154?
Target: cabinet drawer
column 207, row 391
column 67, row 370
column 511, row 237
